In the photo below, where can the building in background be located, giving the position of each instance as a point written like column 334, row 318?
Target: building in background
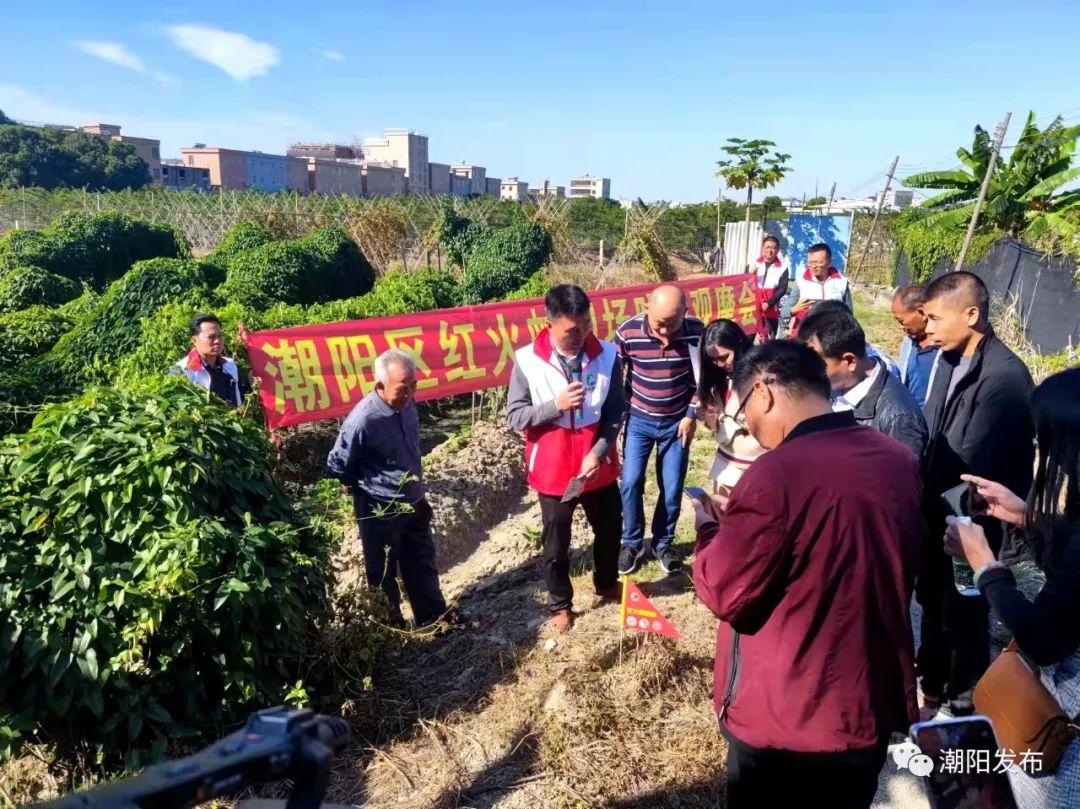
column 227, row 167
column 588, row 186
column 329, row 176
column 493, row 187
column 234, row 168
column 148, row 149
column 439, row 179
column 476, row 175
column 384, row 180
column 545, row 188
column 404, row 149
column 460, row 186
column 513, row 190
column 902, row 198
column 175, row 176
column 330, row 151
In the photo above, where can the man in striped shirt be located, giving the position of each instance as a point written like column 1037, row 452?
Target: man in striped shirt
column 660, row 351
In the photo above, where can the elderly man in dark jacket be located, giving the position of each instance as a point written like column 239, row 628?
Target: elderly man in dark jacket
column 811, row 576
column 861, row 383
column 979, row 416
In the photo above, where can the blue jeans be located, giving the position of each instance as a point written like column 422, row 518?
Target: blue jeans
column 642, row 435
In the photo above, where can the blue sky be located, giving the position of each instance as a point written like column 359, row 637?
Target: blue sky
column 643, row 93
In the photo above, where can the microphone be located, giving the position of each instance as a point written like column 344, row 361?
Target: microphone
column 575, row 376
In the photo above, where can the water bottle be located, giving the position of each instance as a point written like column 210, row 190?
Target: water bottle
column 963, row 575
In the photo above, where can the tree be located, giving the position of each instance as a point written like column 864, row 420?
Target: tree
column 4, row 119
column 1021, row 190
column 751, row 166
column 58, row 158
column 815, row 201
column 772, row 205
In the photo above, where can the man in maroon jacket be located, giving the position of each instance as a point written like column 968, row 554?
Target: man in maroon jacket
column 810, row 567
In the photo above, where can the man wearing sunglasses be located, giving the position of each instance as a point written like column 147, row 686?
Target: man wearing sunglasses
column 810, row 567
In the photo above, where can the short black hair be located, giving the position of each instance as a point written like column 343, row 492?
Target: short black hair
column 566, row 300
column 772, row 239
column 786, row 364
column 820, row 247
column 912, row 296
column 200, row 318
column 836, row 330
column 967, row 286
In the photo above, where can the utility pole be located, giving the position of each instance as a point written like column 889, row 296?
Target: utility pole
column 999, row 136
column 832, row 196
column 877, row 215
column 717, row 216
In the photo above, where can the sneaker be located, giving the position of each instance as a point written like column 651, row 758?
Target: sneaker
column 561, row 620
column 629, row 560
column 670, row 560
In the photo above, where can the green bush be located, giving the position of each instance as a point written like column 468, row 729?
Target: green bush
column 112, row 329
column 29, row 333
column 155, row 579
column 237, row 239
column 536, row 287
column 32, row 286
column 322, row 266
column 95, row 248
column 503, row 261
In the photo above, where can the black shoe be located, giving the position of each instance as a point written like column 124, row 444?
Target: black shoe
column 670, row 560
column 629, row 560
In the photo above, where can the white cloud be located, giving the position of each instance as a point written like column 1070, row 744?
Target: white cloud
column 237, row 54
column 166, row 79
column 111, row 52
column 333, row 56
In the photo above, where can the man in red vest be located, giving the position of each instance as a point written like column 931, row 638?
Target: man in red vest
column 566, row 395
column 772, row 273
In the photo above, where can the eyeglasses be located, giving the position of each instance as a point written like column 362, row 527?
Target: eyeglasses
column 739, row 416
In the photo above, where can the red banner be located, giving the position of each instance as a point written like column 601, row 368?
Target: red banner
column 310, row 373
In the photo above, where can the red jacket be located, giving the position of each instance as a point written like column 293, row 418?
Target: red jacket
column 813, row 566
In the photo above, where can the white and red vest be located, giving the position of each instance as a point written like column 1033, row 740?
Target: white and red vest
column 833, row 288
column 768, row 277
column 554, row 451
column 193, row 368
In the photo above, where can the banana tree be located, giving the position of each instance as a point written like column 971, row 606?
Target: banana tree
column 752, row 166
column 1022, row 188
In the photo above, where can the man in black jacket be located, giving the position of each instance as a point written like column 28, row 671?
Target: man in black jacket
column 861, row 383
column 979, row 417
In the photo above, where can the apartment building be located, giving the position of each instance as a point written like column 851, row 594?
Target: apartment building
column 175, row 176
column 383, row 180
column 439, row 179
column 404, row 149
column 588, row 186
column 476, row 175
column 149, row 149
column 335, row 176
column 493, row 187
column 514, row 190
column 234, row 168
column 545, row 188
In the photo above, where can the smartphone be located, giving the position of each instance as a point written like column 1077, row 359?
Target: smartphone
column 696, row 493
column 960, row 772
column 964, row 501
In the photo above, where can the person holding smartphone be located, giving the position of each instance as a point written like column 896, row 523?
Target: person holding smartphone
column 1048, row 629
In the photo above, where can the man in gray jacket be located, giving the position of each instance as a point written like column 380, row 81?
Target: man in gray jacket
column 861, row 383
column 377, row 457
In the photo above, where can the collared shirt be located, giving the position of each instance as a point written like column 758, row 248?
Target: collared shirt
column 849, row 400
column 378, row 451
column 918, row 369
column 662, row 378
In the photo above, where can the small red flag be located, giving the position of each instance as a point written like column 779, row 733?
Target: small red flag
column 639, row 613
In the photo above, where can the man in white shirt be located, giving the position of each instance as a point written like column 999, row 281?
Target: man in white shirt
column 861, row 383
column 820, row 282
column 772, row 272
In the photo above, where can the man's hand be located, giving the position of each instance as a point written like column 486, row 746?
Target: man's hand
column 242, row 333
column 801, row 306
column 708, row 511
column 571, row 397
column 590, row 465
column 966, row 540
column 686, row 431
column 764, row 306
column 1001, row 503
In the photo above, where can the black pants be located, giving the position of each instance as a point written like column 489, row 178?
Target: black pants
column 395, row 539
column 757, row 779
column 603, row 509
column 771, row 326
column 954, row 647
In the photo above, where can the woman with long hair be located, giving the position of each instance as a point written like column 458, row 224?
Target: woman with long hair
column 1047, row 630
column 723, row 345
